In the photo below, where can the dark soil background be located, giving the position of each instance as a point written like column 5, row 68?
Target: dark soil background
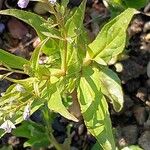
column 133, row 122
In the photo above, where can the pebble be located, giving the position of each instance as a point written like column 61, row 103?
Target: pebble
column 148, row 69
column 118, row 67
column 17, row 29
column 147, row 8
column 74, row 148
column 142, row 94
column 118, row 136
column 147, row 37
column 146, row 26
column 147, row 123
column 130, row 134
column 148, row 83
column 122, row 142
column 1, row 4
column 135, row 27
column 144, row 140
column 132, row 85
column 81, row 129
column 36, row 42
column 40, row 8
column 140, row 114
column 128, row 113
column 57, row 126
column 127, row 135
column 128, row 102
column 149, row 97
column 14, row 141
column 4, row 84
column 131, row 70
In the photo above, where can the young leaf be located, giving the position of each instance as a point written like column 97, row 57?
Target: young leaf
column 94, row 108
column 64, row 3
column 75, row 22
column 63, row 7
column 74, row 61
column 76, row 45
column 110, row 86
column 35, row 56
column 51, row 48
column 32, row 19
column 11, row 60
column 111, row 39
column 55, row 103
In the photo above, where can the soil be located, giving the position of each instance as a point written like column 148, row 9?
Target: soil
column 133, row 122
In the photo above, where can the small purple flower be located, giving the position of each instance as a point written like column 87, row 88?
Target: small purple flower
column 26, row 113
column 23, row 3
column 7, row 126
column 2, row 27
column 52, row 1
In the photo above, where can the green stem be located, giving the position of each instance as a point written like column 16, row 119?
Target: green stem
column 64, row 57
column 55, row 143
column 60, row 22
column 12, row 70
column 49, row 129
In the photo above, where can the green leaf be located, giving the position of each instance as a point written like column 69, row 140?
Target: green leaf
column 33, row 132
column 13, row 102
column 75, row 23
column 11, row 60
column 74, row 61
column 97, row 147
column 35, row 56
column 40, row 25
column 76, row 44
column 94, row 108
column 64, row 3
column 51, row 48
column 111, row 39
column 111, row 87
column 1, row 132
column 135, row 4
column 129, row 3
column 6, row 148
column 55, row 103
column 63, row 7
column 132, row 147
column 36, row 21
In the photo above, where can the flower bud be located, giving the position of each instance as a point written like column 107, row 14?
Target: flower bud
column 52, row 1
column 23, row 3
column 26, row 113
